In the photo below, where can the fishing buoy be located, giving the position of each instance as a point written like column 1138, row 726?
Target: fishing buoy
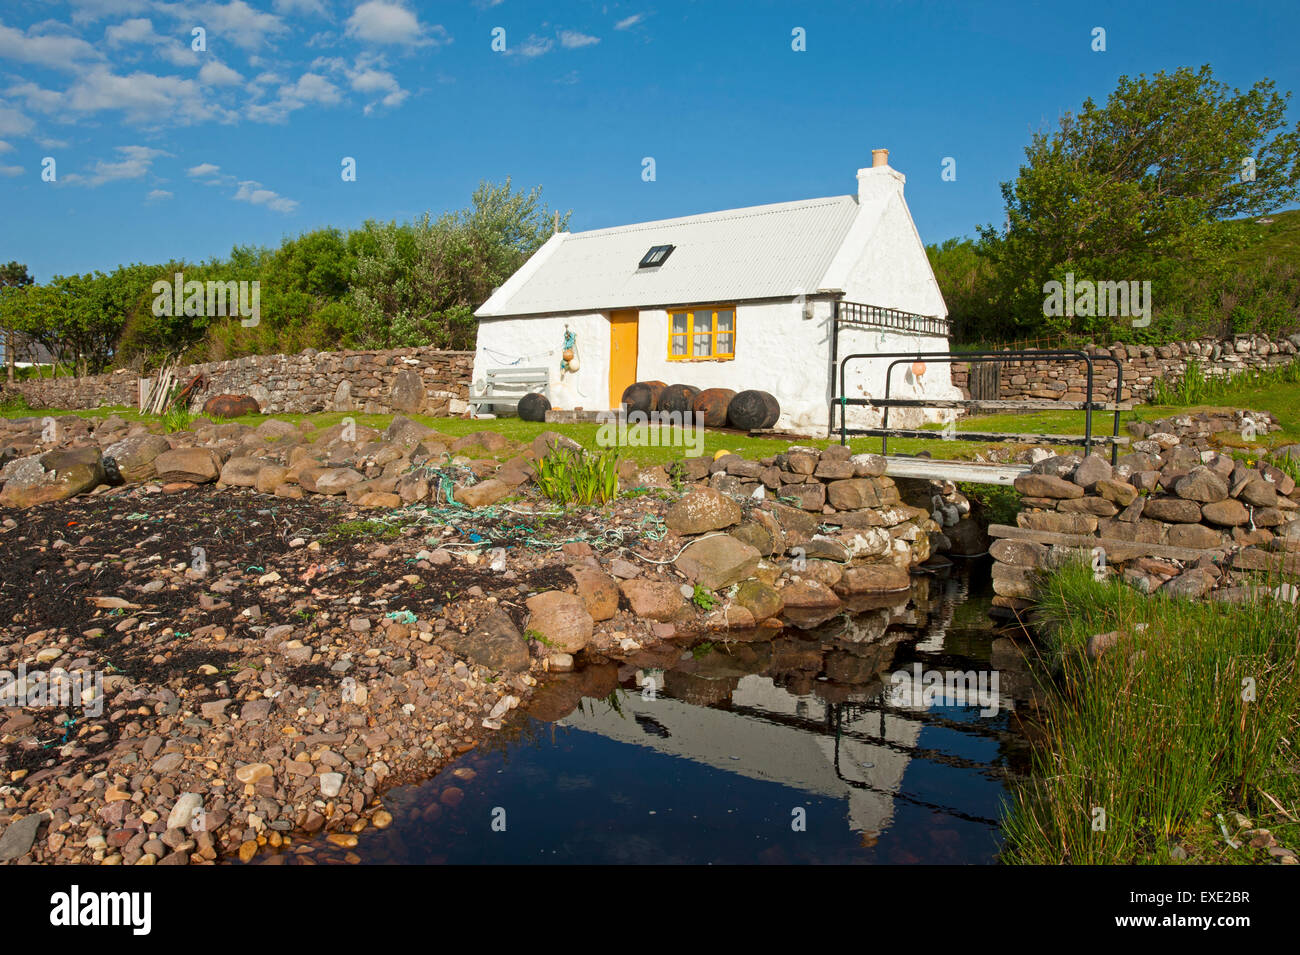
column 568, row 354
column 753, row 410
column 918, row 368
column 533, row 407
column 677, row 398
column 643, row 396
column 574, row 364
column 722, row 454
column 710, row 406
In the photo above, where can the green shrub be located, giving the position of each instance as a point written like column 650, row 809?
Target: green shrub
column 575, row 476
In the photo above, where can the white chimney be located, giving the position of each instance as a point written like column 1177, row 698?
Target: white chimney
column 880, row 179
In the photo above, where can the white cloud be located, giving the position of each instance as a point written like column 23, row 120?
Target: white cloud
column 43, row 49
column 144, row 98
column 157, row 195
column 301, row 6
column 13, row 122
column 628, row 22
column 367, row 76
column 380, row 21
column 202, row 170
column 235, row 21
column 135, row 163
column 87, row 11
column 139, row 30
column 572, row 39
column 5, row 147
column 216, row 73
column 11, row 171
column 253, row 192
column 312, row 88
column 534, row 46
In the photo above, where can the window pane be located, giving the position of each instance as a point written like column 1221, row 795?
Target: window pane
column 726, row 320
column 679, row 345
column 679, row 323
column 725, row 346
column 702, row 347
column 703, row 322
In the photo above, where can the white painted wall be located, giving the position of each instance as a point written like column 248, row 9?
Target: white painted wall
column 777, row 350
column 539, row 342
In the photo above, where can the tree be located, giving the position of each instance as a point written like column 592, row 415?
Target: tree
column 1141, row 187
column 13, row 275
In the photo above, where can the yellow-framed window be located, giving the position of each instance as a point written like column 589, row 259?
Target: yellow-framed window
column 703, row 333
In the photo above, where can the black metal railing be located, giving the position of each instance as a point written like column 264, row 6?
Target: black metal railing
column 841, row 400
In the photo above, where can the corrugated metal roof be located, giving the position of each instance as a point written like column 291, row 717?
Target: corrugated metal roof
column 767, row 251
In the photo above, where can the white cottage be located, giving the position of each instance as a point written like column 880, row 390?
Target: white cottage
column 766, row 297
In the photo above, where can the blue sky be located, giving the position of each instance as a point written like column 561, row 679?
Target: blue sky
column 165, row 152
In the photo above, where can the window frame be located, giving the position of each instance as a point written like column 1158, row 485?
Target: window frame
column 690, row 333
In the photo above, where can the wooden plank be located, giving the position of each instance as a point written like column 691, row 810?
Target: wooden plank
column 976, row 404
column 973, row 472
column 1109, row 544
column 987, row 436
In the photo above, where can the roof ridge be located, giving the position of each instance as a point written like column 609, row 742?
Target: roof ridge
column 743, row 212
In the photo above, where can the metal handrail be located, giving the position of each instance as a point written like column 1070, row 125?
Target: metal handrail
column 898, row 358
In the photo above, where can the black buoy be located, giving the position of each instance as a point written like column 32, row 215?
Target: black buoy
column 677, row 398
column 753, row 410
column 643, row 396
column 533, row 407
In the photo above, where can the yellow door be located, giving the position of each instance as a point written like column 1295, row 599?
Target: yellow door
column 622, row 354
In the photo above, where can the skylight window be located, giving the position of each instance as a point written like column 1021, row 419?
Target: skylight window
column 656, row 256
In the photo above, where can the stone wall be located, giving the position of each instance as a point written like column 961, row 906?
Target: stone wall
column 1167, row 517
column 1142, row 364
column 397, row 380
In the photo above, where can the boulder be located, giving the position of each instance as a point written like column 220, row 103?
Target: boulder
column 196, row 465
column 1047, row 485
column 561, row 619
column 598, row 591
column 323, row 480
column 763, row 601
column 482, row 494
column 135, row 455
column 1092, row 469
column 494, row 642
column 716, row 562
column 874, row 579
column 653, row 599
column 1201, row 484
column 407, row 392
column 55, row 476
column 701, row 511
column 242, row 472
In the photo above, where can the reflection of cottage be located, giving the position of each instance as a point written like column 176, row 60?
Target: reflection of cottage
column 740, row 299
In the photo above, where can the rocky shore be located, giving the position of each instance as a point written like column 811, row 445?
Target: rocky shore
column 288, row 622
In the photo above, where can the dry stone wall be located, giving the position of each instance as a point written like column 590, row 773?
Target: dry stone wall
column 1168, row 518
column 1142, row 364
column 408, row 380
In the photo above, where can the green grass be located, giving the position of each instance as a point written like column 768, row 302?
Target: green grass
column 1260, row 392
column 1158, row 732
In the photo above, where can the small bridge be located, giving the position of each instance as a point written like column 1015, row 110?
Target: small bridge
column 972, row 471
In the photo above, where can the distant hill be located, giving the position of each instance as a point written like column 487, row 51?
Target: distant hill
column 1276, row 235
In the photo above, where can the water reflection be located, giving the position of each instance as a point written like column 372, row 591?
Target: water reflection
column 800, row 748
